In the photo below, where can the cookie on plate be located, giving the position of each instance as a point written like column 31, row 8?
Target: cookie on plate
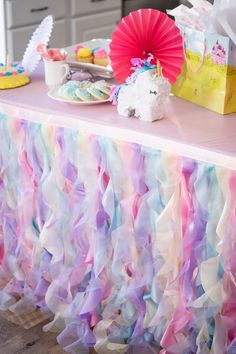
column 98, row 95
column 68, row 90
column 84, row 95
column 102, row 86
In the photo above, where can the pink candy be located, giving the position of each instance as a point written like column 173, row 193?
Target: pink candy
column 52, row 54
column 57, row 54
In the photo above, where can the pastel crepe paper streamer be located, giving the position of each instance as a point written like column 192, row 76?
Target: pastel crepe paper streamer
column 128, row 247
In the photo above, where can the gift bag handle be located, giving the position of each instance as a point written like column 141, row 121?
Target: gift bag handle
column 195, row 71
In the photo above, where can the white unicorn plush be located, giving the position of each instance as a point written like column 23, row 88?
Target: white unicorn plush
column 145, row 98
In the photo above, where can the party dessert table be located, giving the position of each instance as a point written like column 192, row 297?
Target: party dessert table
column 122, row 231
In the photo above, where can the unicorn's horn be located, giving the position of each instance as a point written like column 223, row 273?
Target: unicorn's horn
column 159, row 69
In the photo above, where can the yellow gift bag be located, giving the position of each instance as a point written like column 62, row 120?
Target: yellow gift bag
column 208, row 76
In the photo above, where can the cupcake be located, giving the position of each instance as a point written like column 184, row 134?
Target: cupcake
column 100, row 57
column 84, row 55
column 77, row 47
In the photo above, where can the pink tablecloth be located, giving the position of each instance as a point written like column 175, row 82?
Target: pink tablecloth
column 187, row 129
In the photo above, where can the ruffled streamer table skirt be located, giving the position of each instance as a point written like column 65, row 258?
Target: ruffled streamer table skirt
column 123, row 246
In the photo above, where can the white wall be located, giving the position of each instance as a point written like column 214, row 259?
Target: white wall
column 2, row 33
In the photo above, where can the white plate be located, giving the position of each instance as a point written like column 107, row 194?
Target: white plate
column 54, row 95
column 96, row 70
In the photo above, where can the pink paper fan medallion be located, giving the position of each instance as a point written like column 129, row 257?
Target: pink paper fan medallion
column 142, row 33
